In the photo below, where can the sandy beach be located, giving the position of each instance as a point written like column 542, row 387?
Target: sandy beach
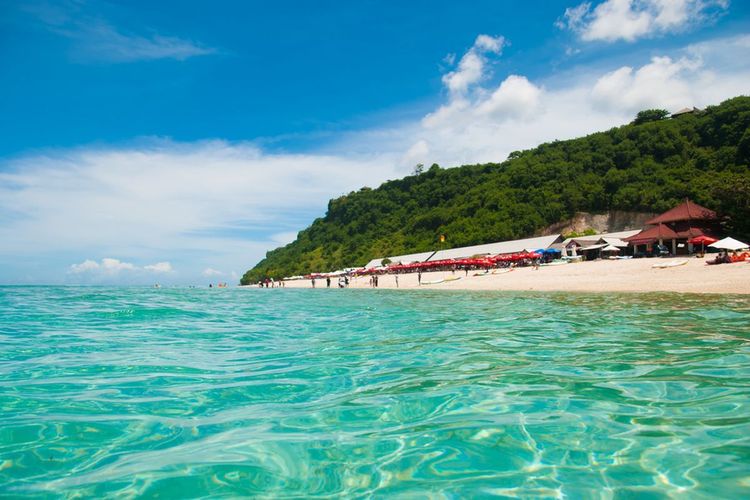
column 636, row 275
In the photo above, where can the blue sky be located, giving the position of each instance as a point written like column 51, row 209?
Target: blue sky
column 179, row 141
column 262, row 69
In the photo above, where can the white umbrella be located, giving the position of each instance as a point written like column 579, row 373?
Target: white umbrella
column 729, row 244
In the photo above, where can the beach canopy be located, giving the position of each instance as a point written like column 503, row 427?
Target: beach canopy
column 547, row 250
column 703, row 240
column 729, row 244
column 512, row 257
column 593, row 247
column 610, row 248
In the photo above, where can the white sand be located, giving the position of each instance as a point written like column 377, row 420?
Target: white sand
column 636, row 275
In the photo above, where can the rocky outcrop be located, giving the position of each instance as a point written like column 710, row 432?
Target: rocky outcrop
column 615, row 220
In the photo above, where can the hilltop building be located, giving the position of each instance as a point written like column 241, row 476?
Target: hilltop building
column 685, row 111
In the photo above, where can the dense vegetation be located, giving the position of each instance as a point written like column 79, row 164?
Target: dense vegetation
column 649, row 165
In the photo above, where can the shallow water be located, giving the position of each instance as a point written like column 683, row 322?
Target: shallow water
column 280, row 393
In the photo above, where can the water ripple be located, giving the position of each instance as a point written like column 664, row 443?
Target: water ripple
column 346, row 393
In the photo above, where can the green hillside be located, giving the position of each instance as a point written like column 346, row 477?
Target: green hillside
column 649, row 165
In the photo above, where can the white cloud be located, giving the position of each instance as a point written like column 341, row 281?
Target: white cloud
column 617, row 19
column 469, row 129
column 112, row 266
column 208, row 272
column 199, row 203
column 85, row 266
column 114, row 271
column 417, row 153
column 101, row 42
column 159, row 267
column 469, row 118
column 662, row 83
column 489, row 43
column 96, row 40
column 630, row 20
column 574, row 17
column 470, row 70
column 471, row 67
column 454, row 110
column 107, row 265
column 515, row 97
column 115, row 265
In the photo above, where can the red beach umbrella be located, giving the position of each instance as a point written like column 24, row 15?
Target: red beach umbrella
column 702, row 240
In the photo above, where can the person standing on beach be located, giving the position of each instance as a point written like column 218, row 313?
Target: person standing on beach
column 397, row 281
column 313, row 282
column 419, row 277
column 328, row 282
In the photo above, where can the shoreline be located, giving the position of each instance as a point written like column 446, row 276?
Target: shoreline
column 636, row 276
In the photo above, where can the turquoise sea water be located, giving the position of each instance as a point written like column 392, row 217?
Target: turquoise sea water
column 342, row 393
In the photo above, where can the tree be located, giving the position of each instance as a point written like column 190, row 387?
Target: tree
column 650, row 115
column 418, row 169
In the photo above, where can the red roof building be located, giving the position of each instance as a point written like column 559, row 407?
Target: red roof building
column 652, row 235
column 687, row 211
column 676, row 226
